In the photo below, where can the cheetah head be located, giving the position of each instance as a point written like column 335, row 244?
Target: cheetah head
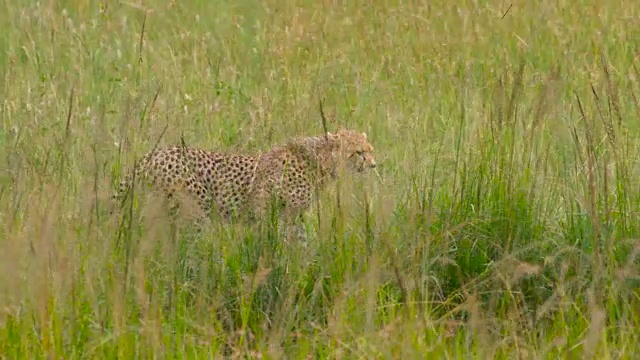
column 353, row 148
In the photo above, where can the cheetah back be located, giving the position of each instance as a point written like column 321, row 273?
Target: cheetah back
column 211, row 178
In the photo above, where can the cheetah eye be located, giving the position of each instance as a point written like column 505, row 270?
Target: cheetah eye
column 358, row 153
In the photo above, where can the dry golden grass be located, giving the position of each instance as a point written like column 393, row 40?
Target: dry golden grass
column 504, row 223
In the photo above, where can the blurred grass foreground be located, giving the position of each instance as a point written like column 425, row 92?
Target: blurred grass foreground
column 504, row 225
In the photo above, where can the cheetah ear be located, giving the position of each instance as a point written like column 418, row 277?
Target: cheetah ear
column 364, row 135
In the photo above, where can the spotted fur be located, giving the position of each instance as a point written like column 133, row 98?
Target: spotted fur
column 231, row 184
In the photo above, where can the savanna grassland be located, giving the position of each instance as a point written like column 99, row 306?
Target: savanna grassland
column 504, row 223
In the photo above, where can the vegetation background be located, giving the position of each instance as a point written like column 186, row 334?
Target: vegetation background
column 505, row 222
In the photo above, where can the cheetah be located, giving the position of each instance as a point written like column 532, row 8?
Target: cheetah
column 245, row 185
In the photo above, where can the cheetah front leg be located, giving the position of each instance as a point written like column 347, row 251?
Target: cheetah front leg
column 296, row 202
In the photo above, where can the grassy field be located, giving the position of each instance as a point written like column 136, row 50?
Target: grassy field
column 504, row 224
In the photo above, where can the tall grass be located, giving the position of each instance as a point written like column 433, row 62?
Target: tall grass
column 505, row 222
